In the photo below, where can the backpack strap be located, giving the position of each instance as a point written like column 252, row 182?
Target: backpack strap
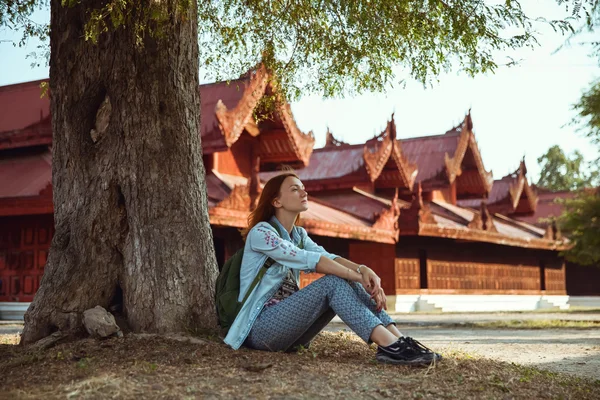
column 266, row 265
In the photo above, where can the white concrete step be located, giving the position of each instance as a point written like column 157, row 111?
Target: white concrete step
column 13, row 311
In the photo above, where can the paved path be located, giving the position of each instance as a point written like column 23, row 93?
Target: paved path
column 574, row 351
column 564, row 350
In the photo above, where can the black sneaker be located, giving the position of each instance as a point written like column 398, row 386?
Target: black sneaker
column 406, row 351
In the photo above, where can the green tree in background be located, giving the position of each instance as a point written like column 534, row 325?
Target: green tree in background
column 562, row 172
column 581, row 220
column 581, row 216
column 131, row 211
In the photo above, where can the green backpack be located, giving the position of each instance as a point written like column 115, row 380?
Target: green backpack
column 228, row 287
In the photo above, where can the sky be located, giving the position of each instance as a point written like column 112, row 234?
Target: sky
column 517, row 111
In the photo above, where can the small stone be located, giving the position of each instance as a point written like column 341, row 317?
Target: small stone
column 99, row 322
column 258, row 367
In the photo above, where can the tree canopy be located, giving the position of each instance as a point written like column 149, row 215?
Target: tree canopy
column 581, row 220
column 329, row 47
column 565, row 172
column 581, row 216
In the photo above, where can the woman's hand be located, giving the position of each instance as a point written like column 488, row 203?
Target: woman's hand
column 370, row 281
column 380, row 300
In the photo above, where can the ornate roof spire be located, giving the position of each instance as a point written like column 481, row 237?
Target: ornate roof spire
column 468, row 122
column 331, row 141
column 254, row 184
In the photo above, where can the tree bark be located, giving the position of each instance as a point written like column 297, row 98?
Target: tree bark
column 131, row 211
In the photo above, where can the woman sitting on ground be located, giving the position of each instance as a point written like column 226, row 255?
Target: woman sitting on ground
column 278, row 316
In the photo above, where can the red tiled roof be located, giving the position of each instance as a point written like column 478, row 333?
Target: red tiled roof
column 328, row 163
column 357, row 204
column 501, row 189
column 25, row 174
column 320, row 212
column 469, row 203
column 21, row 105
column 333, row 162
column 428, row 153
column 547, row 207
column 219, row 186
column 457, row 217
column 230, row 93
column 217, row 190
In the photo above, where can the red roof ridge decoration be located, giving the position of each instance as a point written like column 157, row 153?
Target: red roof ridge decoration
column 254, row 186
column 243, row 197
column 382, row 200
column 517, row 186
column 483, row 220
column 303, row 143
column 386, row 146
column 388, row 219
column 553, row 231
column 233, row 212
column 331, row 141
column 534, row 240
column 466, row 140
column 232, row 122
column 532, row 197
column 238, row 199
column 418, row 214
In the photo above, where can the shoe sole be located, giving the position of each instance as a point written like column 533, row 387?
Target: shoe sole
column 416, row 362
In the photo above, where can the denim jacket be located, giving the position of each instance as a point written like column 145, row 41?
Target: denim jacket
column 263, row 241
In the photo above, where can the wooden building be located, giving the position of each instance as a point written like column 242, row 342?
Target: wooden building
column 582, row 281
column 423, row 212
column 444, row 248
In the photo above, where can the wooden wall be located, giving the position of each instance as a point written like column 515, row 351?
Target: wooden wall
column 415, row 265
column 24, row 245
column 450, row 266
column 583, row 280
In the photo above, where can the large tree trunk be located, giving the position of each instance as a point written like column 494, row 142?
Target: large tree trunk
column 130, row 201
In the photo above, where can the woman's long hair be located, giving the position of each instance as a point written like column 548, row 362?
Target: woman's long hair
column 264, row 209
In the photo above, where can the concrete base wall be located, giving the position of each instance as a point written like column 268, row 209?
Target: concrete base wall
column 13, row 311
column 487, row 303
column 442, row 303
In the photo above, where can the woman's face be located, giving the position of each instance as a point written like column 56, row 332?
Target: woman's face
column 292, row 196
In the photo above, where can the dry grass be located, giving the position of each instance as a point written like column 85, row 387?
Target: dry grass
column 9, row 339
column 531, row 324
column 338, row 365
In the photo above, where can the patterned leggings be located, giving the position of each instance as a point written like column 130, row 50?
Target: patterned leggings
column 299, row 318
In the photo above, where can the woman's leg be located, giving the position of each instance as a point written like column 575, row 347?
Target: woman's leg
column 280, row 326
column 383, row 316
column 313, row 330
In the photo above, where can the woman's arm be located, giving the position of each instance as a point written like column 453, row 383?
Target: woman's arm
column 369, row 275
column 336, row 267
column 328, row 266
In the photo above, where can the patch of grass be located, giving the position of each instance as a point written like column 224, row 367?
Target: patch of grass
column 10, row 339
column 336, row 365
column 531, row 324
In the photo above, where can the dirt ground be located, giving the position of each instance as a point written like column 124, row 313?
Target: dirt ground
column 573, row 351
column 337, row 365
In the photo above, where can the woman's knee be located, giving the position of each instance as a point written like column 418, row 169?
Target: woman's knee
column 332, row 280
